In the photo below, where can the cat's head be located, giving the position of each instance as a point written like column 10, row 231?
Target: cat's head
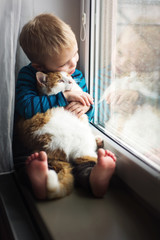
column 53, row 83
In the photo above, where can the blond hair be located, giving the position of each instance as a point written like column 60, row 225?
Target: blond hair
column 44, row 36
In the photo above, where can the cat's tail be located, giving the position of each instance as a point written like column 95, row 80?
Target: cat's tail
column 59, row 184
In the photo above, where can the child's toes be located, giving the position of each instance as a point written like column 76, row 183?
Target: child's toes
column 110, row 154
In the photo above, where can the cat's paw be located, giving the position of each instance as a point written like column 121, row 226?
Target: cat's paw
column 99, row 142
column 84, row 119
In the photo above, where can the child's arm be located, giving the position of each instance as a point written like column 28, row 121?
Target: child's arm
column 28, row 102
column 78, row 96
column 78, row 108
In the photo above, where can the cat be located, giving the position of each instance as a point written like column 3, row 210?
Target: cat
column 63, row 136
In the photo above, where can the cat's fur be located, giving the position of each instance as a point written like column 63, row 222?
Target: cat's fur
column 63, row 136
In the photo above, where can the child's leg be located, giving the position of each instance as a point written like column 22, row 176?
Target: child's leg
column 102, row 172
column 49, row 183
column 37, row 170
column 88, row 174
column 95, row 175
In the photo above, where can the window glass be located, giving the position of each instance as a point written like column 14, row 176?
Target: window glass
column 125, row 58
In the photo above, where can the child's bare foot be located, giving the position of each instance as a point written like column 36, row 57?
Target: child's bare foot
column 37, row 169
column 102, row 172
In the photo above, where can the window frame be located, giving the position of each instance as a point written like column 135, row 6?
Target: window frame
column 140, row 177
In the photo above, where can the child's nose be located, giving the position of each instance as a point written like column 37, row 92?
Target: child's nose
column 73, row 62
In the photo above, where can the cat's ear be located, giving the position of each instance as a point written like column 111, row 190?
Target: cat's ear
column 41, row 78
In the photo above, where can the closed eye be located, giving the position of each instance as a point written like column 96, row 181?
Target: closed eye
column 61, row 80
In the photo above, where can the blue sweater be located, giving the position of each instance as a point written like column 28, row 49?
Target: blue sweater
column 28, row 102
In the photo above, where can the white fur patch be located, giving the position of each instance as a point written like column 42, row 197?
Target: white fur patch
column 53, row 186
column 70, row 134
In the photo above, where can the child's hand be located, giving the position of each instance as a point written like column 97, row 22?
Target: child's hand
column 77, row 108
column 117, row 97
column 123, row 100
column 78, row 96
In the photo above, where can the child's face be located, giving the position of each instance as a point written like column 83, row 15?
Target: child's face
column 66, row 61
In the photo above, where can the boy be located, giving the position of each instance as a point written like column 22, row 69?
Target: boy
column 51, row 46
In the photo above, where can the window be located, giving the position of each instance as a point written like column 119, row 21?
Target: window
column 126, row 74
column 125, row 84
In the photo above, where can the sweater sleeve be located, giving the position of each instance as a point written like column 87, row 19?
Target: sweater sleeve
column 28, row 102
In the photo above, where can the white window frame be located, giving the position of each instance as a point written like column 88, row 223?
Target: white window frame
column 143, row 179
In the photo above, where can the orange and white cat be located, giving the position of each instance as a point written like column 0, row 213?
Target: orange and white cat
column 65, row 138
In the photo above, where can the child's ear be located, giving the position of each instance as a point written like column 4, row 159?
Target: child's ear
column 41, row 78
column 37, row 67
